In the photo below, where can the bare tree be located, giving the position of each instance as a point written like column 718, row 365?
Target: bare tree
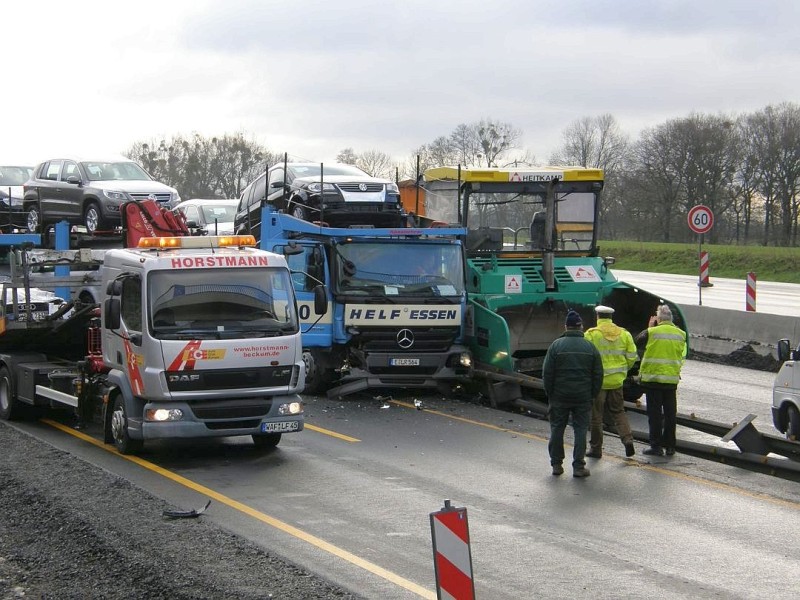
column 765, row 128
column 599, row 143
column 347, row 156
column 376, row 163
column 594, row 142
column 712, row 147
column 203, row 167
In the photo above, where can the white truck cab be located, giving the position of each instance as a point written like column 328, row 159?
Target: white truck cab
column 201, row 340
column 786, row 392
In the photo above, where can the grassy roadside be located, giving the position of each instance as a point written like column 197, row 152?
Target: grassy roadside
column 769, row 264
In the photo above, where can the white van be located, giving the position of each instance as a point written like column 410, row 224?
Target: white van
column 786, row 392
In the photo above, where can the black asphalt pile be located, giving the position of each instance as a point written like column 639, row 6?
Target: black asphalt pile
column 745, row 357
column 71, row 530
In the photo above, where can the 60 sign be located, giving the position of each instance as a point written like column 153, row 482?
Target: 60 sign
column 701, row 219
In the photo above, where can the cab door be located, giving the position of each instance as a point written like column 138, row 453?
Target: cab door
column 309, row 269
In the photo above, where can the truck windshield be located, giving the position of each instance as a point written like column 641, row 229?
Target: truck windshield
column 522, row 219
column 511, row 210
column 221, row 304
column 406, row 268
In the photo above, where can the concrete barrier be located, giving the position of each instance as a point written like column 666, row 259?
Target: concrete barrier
column 718, row 331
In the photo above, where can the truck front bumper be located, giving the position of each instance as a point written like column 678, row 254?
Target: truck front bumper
column 406, row 370
column 221, row 418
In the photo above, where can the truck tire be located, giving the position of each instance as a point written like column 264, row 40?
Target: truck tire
column 119, row 429
column 318, row 378
column 792, row 423
column 10, row 407
column 266, row 441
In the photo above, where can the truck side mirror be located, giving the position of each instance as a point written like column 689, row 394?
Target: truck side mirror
column 114, row 287
column 320, row 300
column 784, row 350
column 292, row 249
column 111, row 316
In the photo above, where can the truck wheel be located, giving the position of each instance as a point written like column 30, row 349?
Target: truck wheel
column 10, row 408
column 318, row 378
column 119, row 429
column 266, row 441
column 793, row 423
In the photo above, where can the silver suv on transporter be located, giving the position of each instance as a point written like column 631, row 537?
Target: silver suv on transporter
column 88, row 192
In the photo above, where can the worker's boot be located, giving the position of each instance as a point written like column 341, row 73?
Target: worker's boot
column 581, row 472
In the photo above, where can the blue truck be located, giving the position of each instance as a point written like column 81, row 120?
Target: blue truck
column 397, row 305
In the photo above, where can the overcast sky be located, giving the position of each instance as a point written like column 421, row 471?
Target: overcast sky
column 311, row 78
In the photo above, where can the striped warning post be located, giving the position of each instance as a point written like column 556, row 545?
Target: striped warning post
column 452, row 559
column 704, row 269
column 751, row 292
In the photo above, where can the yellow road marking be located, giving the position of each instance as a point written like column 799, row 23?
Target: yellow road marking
column 531, row 436
column 649, row 467
column 264, row 518
column 341, row 436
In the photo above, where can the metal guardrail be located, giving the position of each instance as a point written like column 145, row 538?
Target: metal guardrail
column 755, row 448
column 743, row 433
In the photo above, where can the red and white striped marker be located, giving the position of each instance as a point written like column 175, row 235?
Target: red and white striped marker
column 452, row 559
column 704, row 269
column 751, row 292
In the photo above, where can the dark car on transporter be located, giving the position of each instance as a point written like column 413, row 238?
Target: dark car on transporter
column 341, row 196
column 88, row 192
column 12, row 178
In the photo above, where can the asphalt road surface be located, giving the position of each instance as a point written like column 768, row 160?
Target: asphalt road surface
column 349, row 499
column 771, row 297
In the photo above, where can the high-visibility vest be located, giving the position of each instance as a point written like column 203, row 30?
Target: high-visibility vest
column 617, row 350
column 664, row 354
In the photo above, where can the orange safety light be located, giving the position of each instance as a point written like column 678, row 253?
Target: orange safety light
column 207, row 241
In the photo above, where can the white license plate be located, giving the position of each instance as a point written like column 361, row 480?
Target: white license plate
column 404, row 362
column 280, row 427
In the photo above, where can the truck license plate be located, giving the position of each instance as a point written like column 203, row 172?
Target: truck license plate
column 280, row 427
column 404, row 362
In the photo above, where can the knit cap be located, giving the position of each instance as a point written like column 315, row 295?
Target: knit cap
column 573, row 320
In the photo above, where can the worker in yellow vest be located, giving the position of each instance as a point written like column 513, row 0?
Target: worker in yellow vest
column 660, row 372
column 618, row 352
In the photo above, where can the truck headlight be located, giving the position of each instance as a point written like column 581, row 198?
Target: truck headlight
column 163, row 414
column 290, row 408
column 465, row 360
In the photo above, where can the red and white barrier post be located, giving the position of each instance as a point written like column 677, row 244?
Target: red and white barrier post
column 452, row 558
column 751, row 292
column 704, row 282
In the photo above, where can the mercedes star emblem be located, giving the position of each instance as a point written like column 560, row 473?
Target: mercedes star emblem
column 405, row 339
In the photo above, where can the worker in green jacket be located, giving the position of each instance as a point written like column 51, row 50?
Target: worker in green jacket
column 572, row 375
column 660, row 372
column 618, row 352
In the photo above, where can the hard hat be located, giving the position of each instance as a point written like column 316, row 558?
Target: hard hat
column 603, row 310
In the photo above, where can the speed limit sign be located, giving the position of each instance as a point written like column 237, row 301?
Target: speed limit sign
column 701, row 219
